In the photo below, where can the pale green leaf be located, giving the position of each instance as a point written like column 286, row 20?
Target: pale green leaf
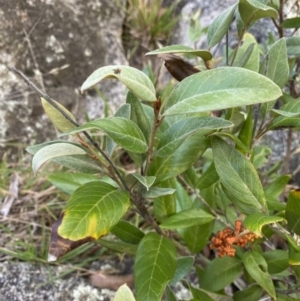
column 124, row 294
column 187, row 218
column 175, row 135
column 136, row 177
column 253, row 10
column 220, row 25
column 52, row 151
column 253, row 59
column 204, row 54
column 155, row 192
column 218, row 89
column 58, row 120
column 254, row 222
column 154, row 267
column 123, row 131
column 136, row 81
column 293, row 46
column 238, row 177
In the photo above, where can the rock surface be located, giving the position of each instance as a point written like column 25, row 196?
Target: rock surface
column 57, row 44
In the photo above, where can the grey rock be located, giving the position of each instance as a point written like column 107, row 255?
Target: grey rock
column 66, row 41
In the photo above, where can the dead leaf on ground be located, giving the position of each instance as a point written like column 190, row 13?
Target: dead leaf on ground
column 112, row 282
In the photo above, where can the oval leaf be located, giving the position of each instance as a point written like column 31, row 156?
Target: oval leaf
column 183, row 267
column 218, row 28
column 123, row 131
column 257, row 267
column 204, row 54
column 253, row 10
column 254, row 222
column 187, row 218
column 136, row 81
column 124, row 294
column 127, row 232
column 220, row 272
column 52, row 151
column 218, row 89
column 291, row 23
column 238, row 177
column 59, row 121
column 293, row 46
column 92, row 210
column 154, row 267
column 175, row 135
column 69, row 182
column 252, row 56
column 292, row 212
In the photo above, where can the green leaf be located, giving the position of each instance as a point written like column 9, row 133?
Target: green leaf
column 293, row 46
column 278, row 68
column 292, row 108
column 274, row 204
column 145, row 181
column 238, row 177
column 69, row 182
column 82, row 163
column 52, row 151
column 253, row 292
column 124, row 294
column 277, row 260
column 154, row 266
column 138, row 115
column 166, row 205
column 33, row 149
column 155, row 192
column 196, row 237
column 253, row 10
column 257, row 267
column 175, row 135
column 291, row 23
column 204, row 295
column 183, row 158
column 204, row 54
column 254, row 222
column 220, row 272
column 183, row 267
column 292, row 212
column 294, row 250
column 277, row 187
column 220, row 89
column 245, row 134
column 239, row 145
column 245, row 57
column 209, row 177
column 92, row 210
column 118, row 246
column 123, row 131
column 220, row 25
column 253, row 60
column 282, row 121
column 123, row 111
column 187, row 218
column 127, row 232
column 170, row 296
column 58, row 120
column 136, row 81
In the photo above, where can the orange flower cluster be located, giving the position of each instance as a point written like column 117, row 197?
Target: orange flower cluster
column 224, row 240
